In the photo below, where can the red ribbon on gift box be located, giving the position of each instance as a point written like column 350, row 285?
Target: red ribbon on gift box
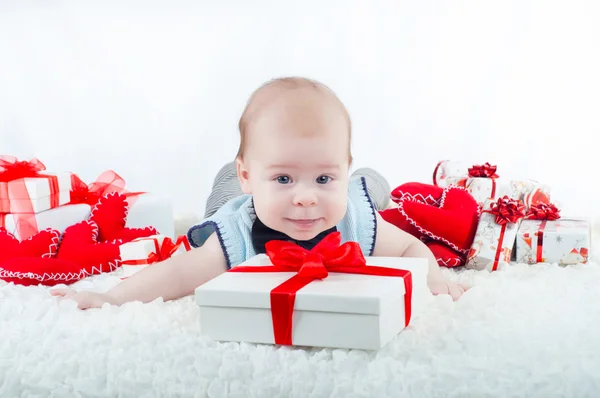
column 107, row 182
column 544, row 212
column 505, row 210
column 310, row 265
column 12, row 186
column 485, row 170
column 162, row 251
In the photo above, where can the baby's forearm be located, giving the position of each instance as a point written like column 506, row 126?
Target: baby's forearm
column 170, row 279
column 419, row 249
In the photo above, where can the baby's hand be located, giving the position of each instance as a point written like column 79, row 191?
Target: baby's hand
column 84, row 300
column 447, row 287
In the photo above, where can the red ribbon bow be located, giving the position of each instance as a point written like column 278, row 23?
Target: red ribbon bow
column 485, row 170
column 543, row 211
column 11, row 168
column 309, row 265
column 507, row 210
column 107, row 182
column 162, row 251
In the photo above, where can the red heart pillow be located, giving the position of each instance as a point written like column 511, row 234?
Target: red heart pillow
column 419, row 192
column 29, row 271
column 110, row 214
column 43, row 244
column 454, row 222
column 80, row 245
column 444, row 255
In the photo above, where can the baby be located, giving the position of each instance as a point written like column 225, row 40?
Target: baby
column 293, row 169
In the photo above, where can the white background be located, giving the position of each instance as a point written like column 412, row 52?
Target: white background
column 154, row 90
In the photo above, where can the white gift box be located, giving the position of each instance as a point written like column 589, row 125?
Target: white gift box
column 148, row 209
column 135, row 255
column 341, row 311
column 138, row 250
column 37, row 195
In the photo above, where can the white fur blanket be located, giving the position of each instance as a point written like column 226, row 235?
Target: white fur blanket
column 525, row 331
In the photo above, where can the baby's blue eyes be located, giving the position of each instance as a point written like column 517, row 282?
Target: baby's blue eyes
column 287, row 179
column 323, row 180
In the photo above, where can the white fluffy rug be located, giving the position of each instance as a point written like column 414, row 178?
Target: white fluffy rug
column 526, row 331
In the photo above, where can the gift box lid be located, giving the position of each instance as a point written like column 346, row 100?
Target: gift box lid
column 346, row 293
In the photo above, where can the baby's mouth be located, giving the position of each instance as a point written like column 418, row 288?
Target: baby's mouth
column 304, row 222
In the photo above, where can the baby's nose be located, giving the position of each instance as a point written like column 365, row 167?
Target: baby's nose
column 305, row 198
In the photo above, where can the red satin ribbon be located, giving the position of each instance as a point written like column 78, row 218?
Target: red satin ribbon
column 327, row 256
column 485, row 170
column 107, row 182
column 14, row 196
column 505, row 210
column 543, row 211
column 161, row 251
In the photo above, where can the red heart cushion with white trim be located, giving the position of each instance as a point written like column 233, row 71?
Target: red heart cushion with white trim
column 419, row 192
column 28, row 271
column 43, row 244
column 80, row 245
column 444, row 255
column 454, row 222
column 110, row 214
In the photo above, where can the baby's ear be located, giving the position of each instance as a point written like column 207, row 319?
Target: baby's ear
column 242, row 173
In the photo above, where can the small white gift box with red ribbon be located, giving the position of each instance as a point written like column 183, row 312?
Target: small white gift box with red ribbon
column 139, row 253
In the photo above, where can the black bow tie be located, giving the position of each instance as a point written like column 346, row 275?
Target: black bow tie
column 261, row 234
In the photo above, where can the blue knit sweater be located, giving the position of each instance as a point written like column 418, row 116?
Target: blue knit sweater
column 233, row 224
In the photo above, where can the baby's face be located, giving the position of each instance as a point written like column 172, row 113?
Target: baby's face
column 296, row 168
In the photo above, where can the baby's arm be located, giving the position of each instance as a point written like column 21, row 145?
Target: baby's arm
column 391, row 241
column 170, row 279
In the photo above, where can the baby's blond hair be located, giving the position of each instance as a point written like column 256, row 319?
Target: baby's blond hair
column 290, row 83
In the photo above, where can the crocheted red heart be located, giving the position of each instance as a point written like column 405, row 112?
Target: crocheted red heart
column 445, row 256
column 110, row 215
column 29, row 271
column 453, row 222
column 43, row 244
column 80, row 245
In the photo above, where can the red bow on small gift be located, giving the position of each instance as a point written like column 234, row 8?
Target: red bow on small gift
column 543, row 211
column 485, row 170
column 327, row 256
column 11, row 168
column 507, row 210
column 107, row 182
column 162, row 251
